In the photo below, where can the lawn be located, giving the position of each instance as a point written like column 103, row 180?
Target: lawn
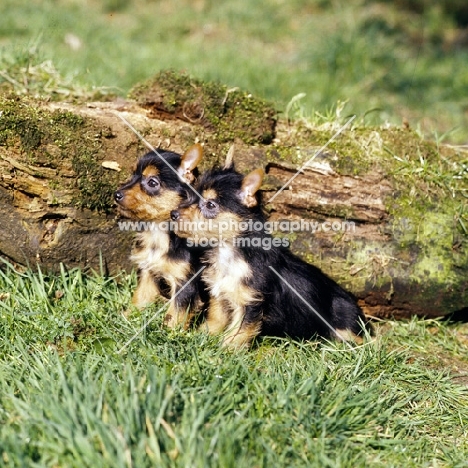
column 84, row 385
column 81, row 385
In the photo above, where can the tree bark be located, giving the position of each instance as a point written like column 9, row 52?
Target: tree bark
column 56, row 201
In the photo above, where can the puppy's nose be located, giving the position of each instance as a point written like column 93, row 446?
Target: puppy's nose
column 118, row 196
column 175, row 215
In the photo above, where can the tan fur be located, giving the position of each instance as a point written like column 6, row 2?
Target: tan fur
column 176, row 317
column 229, row 158
column 210, row 194
column 218, row 316
column 226, row 275
column 157, row 262
column 150, row 171
column 153, row 245
column 153, row 262
column 188, row 215
column 146, row 291
column 225, row 278
column 192, row 223
column 189, row 162
column 227, row 225
column 347, row 335
column 250, row 185
column 139, row 205
column 241, row 337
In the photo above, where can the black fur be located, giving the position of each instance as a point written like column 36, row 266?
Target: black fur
column 320, row 306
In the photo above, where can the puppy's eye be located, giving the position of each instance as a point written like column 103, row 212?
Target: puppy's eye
column 209, row 209
column 152, row 182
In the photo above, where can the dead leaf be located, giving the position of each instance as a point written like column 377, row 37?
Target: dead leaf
column 113, row 165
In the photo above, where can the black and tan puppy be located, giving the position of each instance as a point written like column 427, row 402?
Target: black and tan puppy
column 165, row 265
column 256, row 286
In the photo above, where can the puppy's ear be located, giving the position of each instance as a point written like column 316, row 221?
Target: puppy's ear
column 189, row 162
column 229, row 163
column 250, row 186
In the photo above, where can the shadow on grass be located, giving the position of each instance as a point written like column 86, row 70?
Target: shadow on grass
column 459, row 316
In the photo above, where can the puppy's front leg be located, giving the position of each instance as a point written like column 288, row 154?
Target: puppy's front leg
column 146, row 291
column 182, row 304
column 217, row 317
column 246, row 324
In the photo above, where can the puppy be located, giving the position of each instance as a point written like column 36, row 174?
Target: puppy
column 254, row 290
column 165, row 265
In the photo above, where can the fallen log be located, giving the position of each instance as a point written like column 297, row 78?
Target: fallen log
column 383, row 211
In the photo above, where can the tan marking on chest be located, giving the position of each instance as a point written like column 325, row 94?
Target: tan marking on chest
column 226, row 278
column 153, row 257
column 153, row 246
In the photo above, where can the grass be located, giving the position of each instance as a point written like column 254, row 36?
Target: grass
column 388, row 63
column 72, row 394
